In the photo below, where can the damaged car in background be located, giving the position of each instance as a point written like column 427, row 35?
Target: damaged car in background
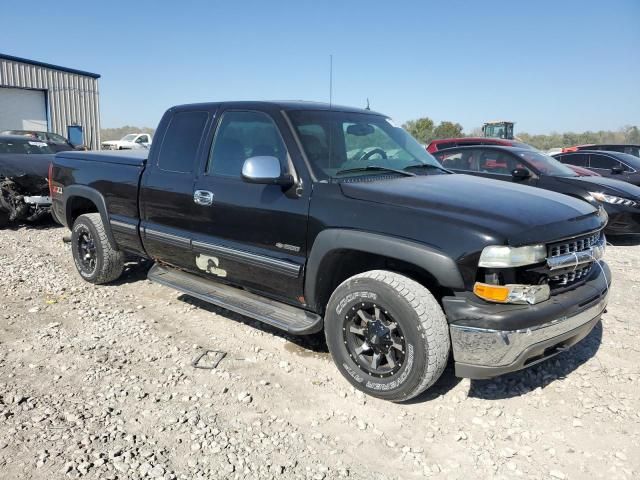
column 24, row 185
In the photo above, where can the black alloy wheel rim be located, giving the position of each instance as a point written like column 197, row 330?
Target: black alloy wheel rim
column 86, row 250
column 374, row 340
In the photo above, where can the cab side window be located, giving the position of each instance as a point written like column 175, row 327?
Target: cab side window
column 602, row 162
column 241, row 135
column 497, row 162
column 454, row 161
column 577, row 159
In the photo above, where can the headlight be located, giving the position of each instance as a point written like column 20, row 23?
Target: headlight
column 518, row 294
column 603, row 197
column 498, row 256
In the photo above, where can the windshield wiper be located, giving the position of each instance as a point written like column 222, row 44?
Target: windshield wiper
column 426, row 165
column 375, row 168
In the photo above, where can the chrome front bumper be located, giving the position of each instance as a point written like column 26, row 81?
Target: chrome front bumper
column 485, row 353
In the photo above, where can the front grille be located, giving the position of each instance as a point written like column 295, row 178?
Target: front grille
column 574, row 245
column 569, row 278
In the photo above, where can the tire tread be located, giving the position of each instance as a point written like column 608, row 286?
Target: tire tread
column 112, row 259
column 431, row 321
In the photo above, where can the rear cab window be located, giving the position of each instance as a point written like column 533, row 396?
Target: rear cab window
column 181, row 141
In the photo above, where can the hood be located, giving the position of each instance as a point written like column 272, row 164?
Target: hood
column 518, row 213
column 608, row 185
column 18, row 164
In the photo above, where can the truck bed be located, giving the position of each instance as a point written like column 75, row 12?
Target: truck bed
column 110, row 180
column 122, row 157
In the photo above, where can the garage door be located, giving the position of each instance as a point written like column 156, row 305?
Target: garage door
column 22, row 109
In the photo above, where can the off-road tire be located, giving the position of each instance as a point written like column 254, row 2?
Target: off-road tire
column 415, row 311
column 109, row 262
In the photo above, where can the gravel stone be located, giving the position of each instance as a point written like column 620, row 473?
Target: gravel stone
column 92, row 386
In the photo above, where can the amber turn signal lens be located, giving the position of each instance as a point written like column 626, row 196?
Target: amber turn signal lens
column 493, row 293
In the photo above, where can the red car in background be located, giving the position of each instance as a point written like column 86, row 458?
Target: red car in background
column 444, row 143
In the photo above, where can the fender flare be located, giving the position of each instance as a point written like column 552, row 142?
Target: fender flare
column 432, row 260
column 96, row 197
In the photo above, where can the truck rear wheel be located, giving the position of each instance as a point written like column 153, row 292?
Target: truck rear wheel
column 95, row 258
column 387, row 334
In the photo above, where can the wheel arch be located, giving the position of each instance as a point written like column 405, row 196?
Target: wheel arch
column 338, row 254
column 80, row 199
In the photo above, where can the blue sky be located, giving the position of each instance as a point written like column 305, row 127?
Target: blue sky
column 548, row 65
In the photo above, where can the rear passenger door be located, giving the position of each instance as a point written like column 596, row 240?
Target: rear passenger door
column 250, row 235
column 167, row 210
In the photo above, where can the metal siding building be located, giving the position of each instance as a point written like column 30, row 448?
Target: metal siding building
column 30, row 90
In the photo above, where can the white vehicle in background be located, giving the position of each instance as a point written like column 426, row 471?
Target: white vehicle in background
column 131, row 141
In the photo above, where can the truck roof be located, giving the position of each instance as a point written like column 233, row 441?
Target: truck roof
column 279, row 104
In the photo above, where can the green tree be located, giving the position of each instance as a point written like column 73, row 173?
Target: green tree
column 632, row 135
column 448, row 130
column 421, row 129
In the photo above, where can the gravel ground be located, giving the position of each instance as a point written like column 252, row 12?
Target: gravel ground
column 97, row 382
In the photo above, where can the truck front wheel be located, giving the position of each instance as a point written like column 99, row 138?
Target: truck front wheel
column 95, row 258
column 387, row 334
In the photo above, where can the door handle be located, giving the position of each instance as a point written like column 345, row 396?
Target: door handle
column 203, row 197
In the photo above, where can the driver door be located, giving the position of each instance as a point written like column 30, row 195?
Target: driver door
column 250, row 235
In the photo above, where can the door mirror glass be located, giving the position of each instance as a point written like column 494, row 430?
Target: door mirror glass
column 265, row 170
column 617, row 170
column 520, row 173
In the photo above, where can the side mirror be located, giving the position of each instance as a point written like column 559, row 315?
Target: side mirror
column 520, row 174
column 265, row 170
column 617, row 170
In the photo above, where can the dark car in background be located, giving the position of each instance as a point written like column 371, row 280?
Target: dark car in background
column 24, row 186
column 57, row 143
column 631, row 149
column 621, row 200
column 621, row 166
column 444, row 143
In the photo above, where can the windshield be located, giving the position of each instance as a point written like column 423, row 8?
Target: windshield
column 129, row 138
column 498, row 130
column 22, row 147
column 632, row 150
column 335, row 142
column 629, row 159
column 547, row 165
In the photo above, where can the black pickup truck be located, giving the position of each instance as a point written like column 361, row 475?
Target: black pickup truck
column 310, row 217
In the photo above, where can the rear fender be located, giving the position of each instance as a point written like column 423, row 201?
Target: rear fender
column 93, row 195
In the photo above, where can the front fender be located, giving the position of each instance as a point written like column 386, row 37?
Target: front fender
column 436, row 262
